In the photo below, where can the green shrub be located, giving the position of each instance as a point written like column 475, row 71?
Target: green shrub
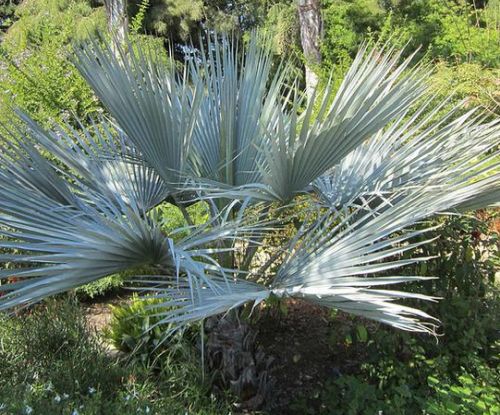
column 37, row 75
column 46, row 85
column 469, row 394
column 446, row 29
column 171, row 218
column 133, row 328
column 55, row 22
column 471, row 82
column 100, row 287
column 7, row 13
column 347, row 23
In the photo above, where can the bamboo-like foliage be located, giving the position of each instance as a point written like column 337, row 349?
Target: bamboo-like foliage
column 372, row 161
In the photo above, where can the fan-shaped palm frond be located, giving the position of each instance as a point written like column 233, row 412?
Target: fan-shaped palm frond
column 374, row 91
column 22, row 164
column 95, row 230
column 411, row 152
column 224, row 130
column 335, row 263
column 239, row 107
column 154, row 106
column 102, row 160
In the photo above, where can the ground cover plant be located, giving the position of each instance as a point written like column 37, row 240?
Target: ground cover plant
column 52, row 363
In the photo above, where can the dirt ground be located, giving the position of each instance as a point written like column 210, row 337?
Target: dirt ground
column 298, row 342
column 304, row 358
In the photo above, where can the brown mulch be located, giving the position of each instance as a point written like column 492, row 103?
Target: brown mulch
column 304, row 358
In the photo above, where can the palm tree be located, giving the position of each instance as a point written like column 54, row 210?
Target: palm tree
column 369, row 164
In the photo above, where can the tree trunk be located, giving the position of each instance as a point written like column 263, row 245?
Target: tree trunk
column 116, row 14
column 310, row 36
column 237, row 363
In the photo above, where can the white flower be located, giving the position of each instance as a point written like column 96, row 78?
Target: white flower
column 147, row 409
column 57, row 398
column 65, row 396
column 91, row 390
column 75, row 412
column 28, row 410
column 2, row 406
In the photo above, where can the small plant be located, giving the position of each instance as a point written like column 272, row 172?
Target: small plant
column 138, row 20
column 134, row 328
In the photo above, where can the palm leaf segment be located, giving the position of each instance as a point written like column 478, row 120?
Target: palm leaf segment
column 224, row 130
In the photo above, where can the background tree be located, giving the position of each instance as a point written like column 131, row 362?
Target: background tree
column 310, row 36
column 116, row 13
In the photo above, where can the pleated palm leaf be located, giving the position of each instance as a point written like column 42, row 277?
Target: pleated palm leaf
column 372, row 162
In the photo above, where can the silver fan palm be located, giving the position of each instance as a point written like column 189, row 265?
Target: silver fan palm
column 372, row 161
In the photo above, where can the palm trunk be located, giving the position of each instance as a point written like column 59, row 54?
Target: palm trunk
column 310, row 36
column 237, row 363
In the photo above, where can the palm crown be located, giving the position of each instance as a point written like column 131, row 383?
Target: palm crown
column 77, row 204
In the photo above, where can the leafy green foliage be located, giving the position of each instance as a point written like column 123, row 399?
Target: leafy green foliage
column 452, row 30
column 455, row 373
column 173, row 221
column 138, row 19
column 449, row 31
column 468, row 395
column 7, row 13
column 47, row 86
column 37, row 74
column 54, row 22
column 52, row 343
column 134, row 330
column 100, row 287
column 471, row 82
column 50, row 363
column 346, row 25
column 282, row 25
column 167, row 17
